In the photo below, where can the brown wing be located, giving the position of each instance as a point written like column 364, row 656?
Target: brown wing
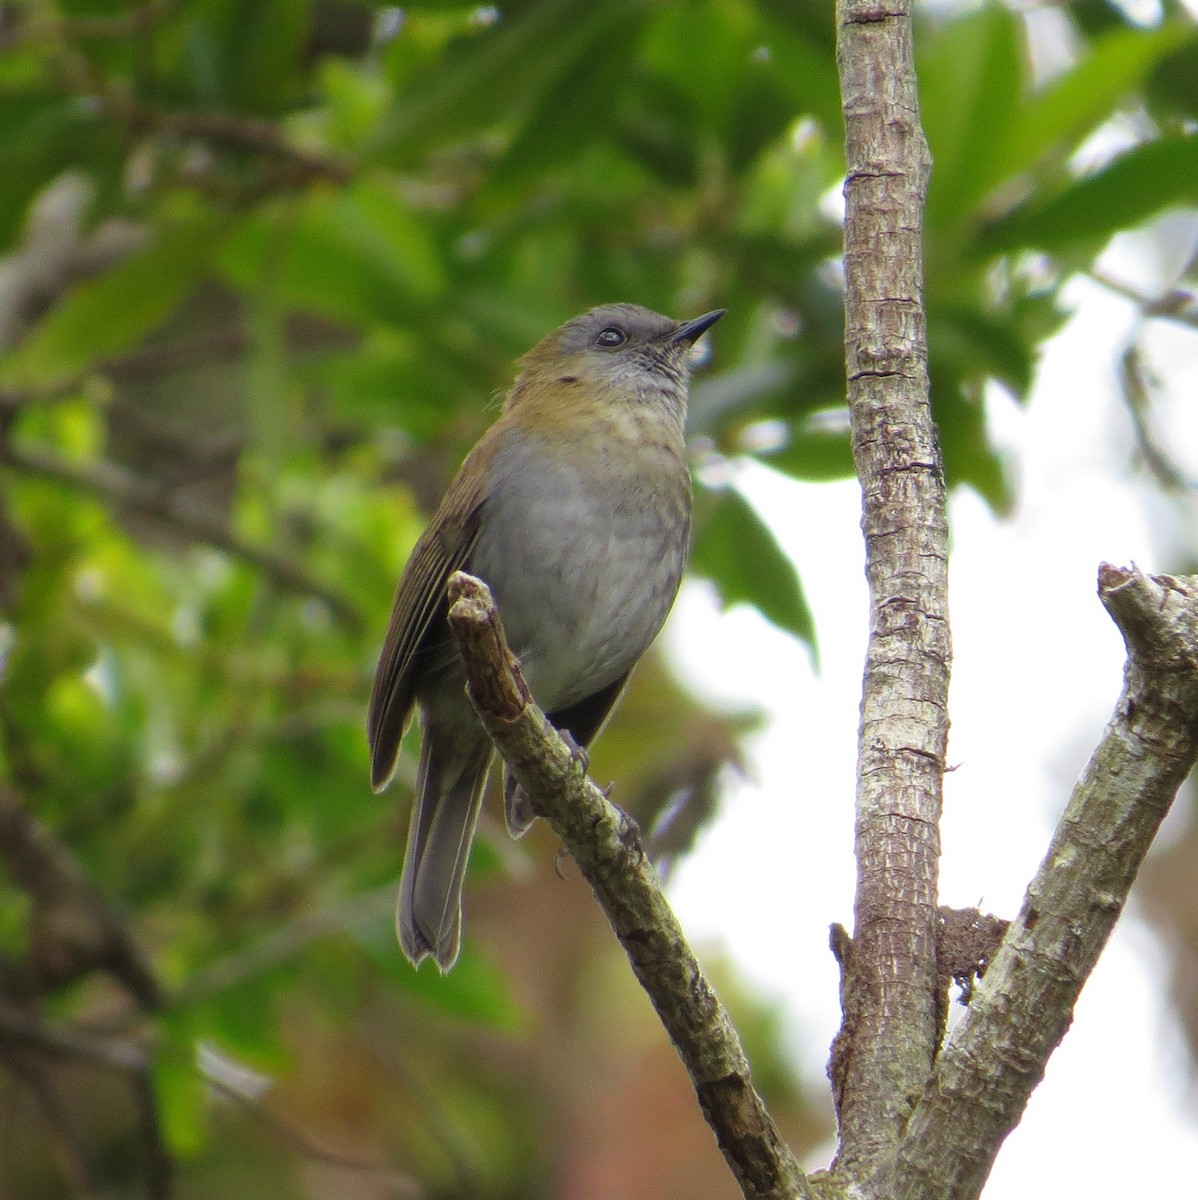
column 418, row 613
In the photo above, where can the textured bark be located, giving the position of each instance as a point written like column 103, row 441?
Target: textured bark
column 884, row 1051
column 1021, row 1009
column 606, row 845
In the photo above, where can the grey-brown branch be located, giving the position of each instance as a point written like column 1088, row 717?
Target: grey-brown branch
column 997, row 1053
column 891, row 1026
column 606, row 845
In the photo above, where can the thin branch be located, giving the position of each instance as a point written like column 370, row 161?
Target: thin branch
column 118, row 486
column 117, row 25
column 152, row 359
column 281, row 945
column 1133, row 377
column 14, row 399
column 1177, row 304
column 997, row 1053
column 465, row 1176
column 21, row 1027
column 232, row 130
column 606, row 845
column 395, row 1183
column 888, row 1039
column 78, row 1160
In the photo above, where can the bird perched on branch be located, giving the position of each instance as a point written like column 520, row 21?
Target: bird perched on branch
column 574, row 507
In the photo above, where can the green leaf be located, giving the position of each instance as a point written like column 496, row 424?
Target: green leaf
column 803, row 61
column 815, row 454
column 40, row 137
column 498, row 74
column 719, row 398
column 236, row 55
column 737, row 551
column 107, row 315
column 179, row 1087
column 1128, row 191
column 1172, row 89
column 969, row 458
column 703, row 49
column 576, row 109
column 981, row 343
column 1058, row 117
column 971, row 76
column 244, row 1019
column 475, row 990
column 357, row 255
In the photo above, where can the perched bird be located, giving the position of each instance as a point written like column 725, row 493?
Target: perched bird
column 574, row 507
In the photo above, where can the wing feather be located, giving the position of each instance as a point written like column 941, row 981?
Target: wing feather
column 417, row 628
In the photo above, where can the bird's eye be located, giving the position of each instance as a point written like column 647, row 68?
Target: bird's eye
column 611, row 337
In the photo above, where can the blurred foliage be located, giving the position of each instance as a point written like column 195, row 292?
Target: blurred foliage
column 266, row 264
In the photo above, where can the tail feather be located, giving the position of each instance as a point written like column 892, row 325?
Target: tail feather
column 449, row 792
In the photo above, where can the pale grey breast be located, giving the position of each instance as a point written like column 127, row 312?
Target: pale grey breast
column 584, row 574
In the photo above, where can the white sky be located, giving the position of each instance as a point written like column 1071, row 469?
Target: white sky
column 1036, row 673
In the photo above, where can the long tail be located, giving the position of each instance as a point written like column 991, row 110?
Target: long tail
column 449, row 792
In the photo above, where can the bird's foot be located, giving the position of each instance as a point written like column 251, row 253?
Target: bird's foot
column 578, row 753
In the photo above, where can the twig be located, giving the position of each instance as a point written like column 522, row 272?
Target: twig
column 396, row 1184
column 1176, row 304
column 231, row 129
column 14, row 399
column 21, row 1027
column 78, row 1160
column 118, row 25
column 1135, row 385
column 148, row 360
column 1018, row 1014
column 606, row 845
column 451, row 1142
column 890, row 1031
column 118, row 486
column 281, row 945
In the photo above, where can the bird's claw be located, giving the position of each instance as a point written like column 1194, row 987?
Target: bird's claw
column 578, row 753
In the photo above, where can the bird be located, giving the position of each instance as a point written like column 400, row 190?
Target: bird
column 574, row 507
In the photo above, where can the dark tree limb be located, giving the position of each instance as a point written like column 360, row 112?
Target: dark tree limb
column 74, row 928
column 606, row 845
column 890, row 1031
column 156, row 1157
column 996, row 1055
